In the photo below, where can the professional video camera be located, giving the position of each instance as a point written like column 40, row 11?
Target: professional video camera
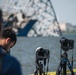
column 66, row 44
column 42, row 53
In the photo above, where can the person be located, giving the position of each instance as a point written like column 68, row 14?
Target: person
column 9, row 65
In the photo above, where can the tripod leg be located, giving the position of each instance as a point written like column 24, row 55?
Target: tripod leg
column 40, row 72
column 64, row 69
column 70, row 68
column 36, row 72
column 59, row 70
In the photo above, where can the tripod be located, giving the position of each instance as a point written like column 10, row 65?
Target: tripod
column 39, row 69
column 64, row 62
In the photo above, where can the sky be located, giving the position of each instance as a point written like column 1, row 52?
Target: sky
column 65, row 10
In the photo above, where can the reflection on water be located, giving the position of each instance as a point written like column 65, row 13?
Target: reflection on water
column 25, row 48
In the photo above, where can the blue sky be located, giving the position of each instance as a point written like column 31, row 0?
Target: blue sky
column 65, row 10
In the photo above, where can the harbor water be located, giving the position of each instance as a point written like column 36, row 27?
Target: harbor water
column 25, row 51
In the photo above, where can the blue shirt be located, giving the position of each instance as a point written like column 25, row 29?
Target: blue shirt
column 10, row 65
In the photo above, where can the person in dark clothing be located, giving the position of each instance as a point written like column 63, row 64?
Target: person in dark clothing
column 9, row 65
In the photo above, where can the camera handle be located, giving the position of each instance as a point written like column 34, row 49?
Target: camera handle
column 63, row 63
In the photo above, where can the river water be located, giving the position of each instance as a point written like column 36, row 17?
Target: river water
column 25, row 50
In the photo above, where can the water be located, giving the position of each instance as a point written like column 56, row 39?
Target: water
column 25, row 48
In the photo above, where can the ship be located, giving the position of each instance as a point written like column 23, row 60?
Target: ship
column 31, row 18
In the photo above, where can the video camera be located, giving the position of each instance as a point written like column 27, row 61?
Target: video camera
column 42, row 53
column 66, row 44
column 42, row 61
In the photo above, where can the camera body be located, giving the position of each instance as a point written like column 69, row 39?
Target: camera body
column 42, row 53
column 66, row 44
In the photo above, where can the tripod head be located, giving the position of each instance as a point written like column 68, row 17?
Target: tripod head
column 65, row 55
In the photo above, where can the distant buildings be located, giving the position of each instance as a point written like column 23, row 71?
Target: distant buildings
column 63, row 26
column 67, row 27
